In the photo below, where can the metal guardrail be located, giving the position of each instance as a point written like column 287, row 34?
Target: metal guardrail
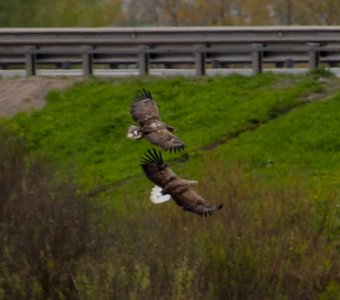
column 143, row 48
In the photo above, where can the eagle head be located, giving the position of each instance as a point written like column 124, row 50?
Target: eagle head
column 134, row 133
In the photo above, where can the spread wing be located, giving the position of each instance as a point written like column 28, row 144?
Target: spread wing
column 180, row 190
column 191, row 201
column 143, row 108
column 155, row 168
column 165, row 139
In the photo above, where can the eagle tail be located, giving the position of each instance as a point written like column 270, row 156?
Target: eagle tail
column 134, row 133
column 157, row 196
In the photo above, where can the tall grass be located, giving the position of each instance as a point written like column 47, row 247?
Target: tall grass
column 270, row 241
column 46, row 227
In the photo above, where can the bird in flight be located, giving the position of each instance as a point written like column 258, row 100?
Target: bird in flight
column 145, row 112
column 169, row 185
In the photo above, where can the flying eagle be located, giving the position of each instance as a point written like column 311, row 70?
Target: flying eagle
column 169, row 185
column 144, row 110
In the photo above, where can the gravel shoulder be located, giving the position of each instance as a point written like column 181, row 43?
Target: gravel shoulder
column 17, row 95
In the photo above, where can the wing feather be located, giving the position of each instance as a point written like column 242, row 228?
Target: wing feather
column 143, row 108
column 191, row 201
column 155, row 168
column 180, row 190
column 165, row 139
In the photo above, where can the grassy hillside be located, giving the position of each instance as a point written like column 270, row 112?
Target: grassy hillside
column 86, row 125
column 266, row 147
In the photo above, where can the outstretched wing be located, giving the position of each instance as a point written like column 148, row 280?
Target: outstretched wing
column 143, row 108
column 155, row 168
column 165, row 139
column 180, row 190
column 191, row 201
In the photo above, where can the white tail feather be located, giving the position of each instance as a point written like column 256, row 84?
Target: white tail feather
column 157, row 197
column 133, row 132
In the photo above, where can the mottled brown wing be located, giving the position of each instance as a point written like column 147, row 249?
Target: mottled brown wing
column 155, row 168
column 143, row 108
column 165, row 139
column 191, row 201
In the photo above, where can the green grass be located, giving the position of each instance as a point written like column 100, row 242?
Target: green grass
column 303, row 139
column 85, row 126
column 265, row 146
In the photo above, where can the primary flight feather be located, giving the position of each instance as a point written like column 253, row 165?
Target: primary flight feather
column 180, row 190
column 145, row 112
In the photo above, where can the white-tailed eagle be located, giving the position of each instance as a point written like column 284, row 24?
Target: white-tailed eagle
column 169, row 185
column 145, row 112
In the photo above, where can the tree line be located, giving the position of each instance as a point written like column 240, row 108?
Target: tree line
column 73, row 13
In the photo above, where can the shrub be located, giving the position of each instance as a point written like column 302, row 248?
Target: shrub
column 46, row 228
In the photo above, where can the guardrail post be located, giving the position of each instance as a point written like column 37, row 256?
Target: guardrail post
column 143, row 60
column 257, row 54
column 30, row 60
column 87, row 60
column 199, row 60
column 314, row 55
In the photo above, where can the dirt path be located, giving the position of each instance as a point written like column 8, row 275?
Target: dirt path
column 28, row 94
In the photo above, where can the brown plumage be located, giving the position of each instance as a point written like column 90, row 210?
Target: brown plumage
column 145, row 112
column 179, row 189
